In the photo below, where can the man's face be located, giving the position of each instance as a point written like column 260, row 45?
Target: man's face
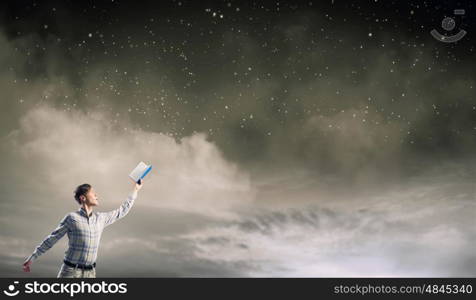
column 91, row 198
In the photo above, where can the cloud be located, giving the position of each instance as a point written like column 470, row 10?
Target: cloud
column 407, row 231
column 54, row 150
column 72, row 147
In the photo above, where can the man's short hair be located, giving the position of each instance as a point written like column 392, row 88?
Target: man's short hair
column 81, row 190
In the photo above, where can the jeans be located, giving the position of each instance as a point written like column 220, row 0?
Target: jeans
column 72, row 272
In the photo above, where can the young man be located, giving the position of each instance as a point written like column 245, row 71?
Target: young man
column 84, row 228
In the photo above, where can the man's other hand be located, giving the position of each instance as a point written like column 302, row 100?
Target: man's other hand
column 26, row 265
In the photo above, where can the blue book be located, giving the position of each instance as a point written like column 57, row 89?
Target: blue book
column 140, row 172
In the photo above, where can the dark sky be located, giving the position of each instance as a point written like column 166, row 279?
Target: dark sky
column 312, row 138
column 250, row 74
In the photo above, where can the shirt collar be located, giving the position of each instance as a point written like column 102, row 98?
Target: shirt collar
column 83, row 212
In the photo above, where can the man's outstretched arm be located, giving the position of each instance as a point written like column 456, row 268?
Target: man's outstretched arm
column 114, row 215
column 47, row 243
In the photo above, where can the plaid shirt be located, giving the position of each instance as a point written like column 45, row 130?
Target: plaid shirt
column 83, row 232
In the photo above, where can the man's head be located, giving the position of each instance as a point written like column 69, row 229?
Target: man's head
column 86, row 194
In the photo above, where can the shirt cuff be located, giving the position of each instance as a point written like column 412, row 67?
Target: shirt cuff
column 33, row 257
column 133, row 195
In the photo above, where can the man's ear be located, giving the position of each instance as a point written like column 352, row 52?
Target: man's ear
column 82, row 198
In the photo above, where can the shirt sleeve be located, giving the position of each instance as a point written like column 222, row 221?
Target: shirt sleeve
column 114, row 215
column 51, row 239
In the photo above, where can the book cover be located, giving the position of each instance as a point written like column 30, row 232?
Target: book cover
column 140, row 171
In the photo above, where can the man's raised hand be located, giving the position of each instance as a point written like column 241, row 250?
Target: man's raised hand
column 138, row 185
